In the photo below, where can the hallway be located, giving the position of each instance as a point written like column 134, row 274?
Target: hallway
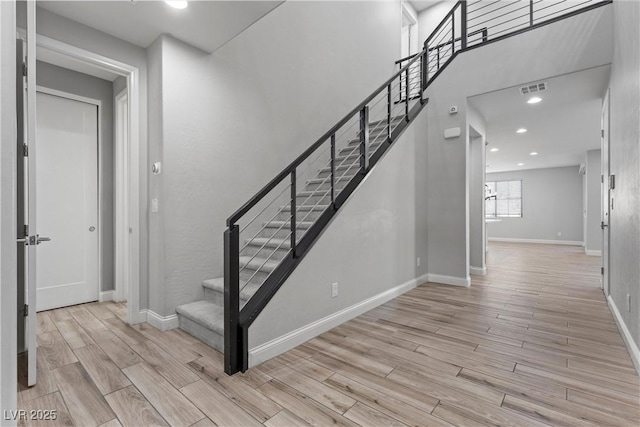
column 531, row 343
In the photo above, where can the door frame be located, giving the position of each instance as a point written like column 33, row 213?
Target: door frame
column 122, row 282
column 406, row 12
column 129, row 182
column 605, row 197
column 100, row 169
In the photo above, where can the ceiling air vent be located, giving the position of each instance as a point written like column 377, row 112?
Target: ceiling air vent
column 533, row 88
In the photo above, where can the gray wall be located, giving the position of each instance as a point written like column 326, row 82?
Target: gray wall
column 230, row 121
column 593, row 202
column 8, row 260
column 548, row 51
column 624, row 221
column 551, row 203
column 54, row 77
column 75, row 34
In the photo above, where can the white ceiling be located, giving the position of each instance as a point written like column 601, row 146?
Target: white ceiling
column 561, row 128
column 206, row 25
column 419, row 6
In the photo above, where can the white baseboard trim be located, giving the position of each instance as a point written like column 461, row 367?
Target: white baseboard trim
column 273, row 348
column 545, row 242
column 592, row 252
column 450, row 280
column 632, row 347
column 164, row 323
column 478, row 271
column 105, row 296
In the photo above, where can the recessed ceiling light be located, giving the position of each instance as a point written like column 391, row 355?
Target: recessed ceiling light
column 494, row 149
column 521, row 130
column 533, row 153
column 534, row 100
column 520, row 164
column 180, row 4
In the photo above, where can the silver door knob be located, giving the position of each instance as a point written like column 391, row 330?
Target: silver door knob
column 92, row 228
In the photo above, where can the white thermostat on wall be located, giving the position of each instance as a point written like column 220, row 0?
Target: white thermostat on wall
column 156, row 168
column 453, row 109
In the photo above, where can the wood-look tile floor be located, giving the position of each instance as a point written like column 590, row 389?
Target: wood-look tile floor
column 531, row 343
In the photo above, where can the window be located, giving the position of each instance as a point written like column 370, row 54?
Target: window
column 503, row 199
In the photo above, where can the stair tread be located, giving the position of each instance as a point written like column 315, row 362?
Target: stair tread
column 204, row 313
column 277, row 224
column 306, row 208
column 328, row 181
column 218, row 285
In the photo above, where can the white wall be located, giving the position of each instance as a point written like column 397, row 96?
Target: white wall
column 548, row 51
column 8, row 285
column 624, row 221
column 54, row 77
column 429, row 18
column 232, row 120
column 369, row 248
column 551, row 204
column 593, row 203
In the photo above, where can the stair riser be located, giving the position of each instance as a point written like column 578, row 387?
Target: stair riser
column 218, row 297
column 373, row 143
column 340, row 184
column 283, row 233
column 258, row 279
column 351, row 169
column 266, row 252
column 302, row 215
column 204, row 334
column 320, row 199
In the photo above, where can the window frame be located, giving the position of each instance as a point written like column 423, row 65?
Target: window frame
column 495, row 200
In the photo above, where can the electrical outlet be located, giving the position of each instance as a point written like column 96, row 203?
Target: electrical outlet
column 628, row 303
column 418, row 261
column 154, row 205
column 334, row 290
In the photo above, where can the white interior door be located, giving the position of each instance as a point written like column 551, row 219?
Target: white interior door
column 606, row 194
column 67, row 201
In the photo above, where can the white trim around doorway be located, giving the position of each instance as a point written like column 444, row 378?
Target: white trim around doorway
column 131, row 184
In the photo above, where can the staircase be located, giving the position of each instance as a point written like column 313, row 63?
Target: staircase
column 262, row 254
column 272, row 232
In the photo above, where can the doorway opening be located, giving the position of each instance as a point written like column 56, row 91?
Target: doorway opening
column 408, row 33
column 125, row 165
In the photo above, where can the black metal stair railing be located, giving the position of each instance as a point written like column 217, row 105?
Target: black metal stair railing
column 270, row 234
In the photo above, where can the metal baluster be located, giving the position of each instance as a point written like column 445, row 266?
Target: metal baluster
column 531, row 12
column 463, row 24
column 421, row 81
column 233, row 342
column 453, row 33
column 425, row 70
column 389, row 112
column 364, row 139
column 293, row 212
column 333, row 170
column 406, row 94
